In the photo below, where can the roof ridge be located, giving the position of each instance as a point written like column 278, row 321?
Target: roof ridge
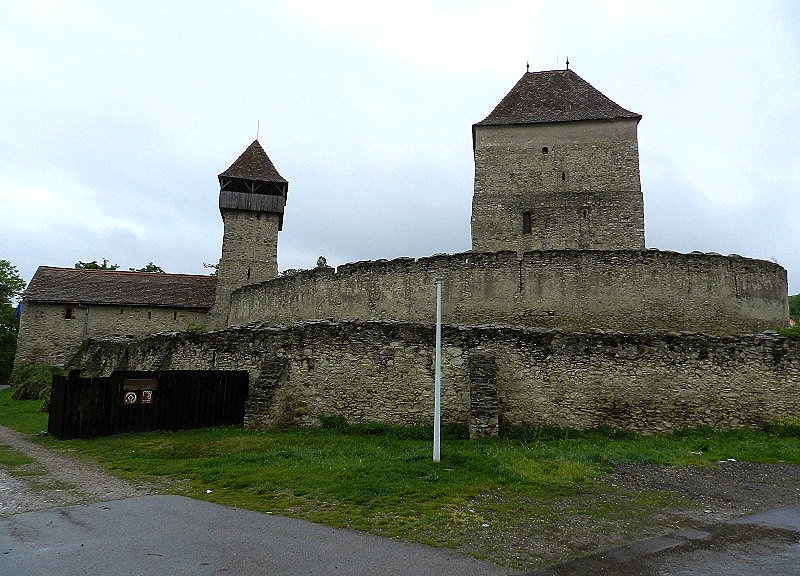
column 129, row 272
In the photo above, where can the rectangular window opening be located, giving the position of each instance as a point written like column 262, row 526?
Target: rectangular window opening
column 68, row 313
column 526, row 222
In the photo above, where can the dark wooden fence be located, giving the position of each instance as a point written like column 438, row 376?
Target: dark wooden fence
column 136, row 401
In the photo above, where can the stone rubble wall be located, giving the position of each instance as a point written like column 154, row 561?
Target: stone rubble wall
column 574, row 290
column 493, row 377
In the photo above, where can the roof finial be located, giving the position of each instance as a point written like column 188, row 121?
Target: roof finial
column 567, row 62
column 258, row 128
column 527, row 66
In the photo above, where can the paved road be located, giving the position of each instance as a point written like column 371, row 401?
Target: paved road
column 177, row 536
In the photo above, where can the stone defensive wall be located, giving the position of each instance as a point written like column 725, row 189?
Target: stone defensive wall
column 573, row 290
column 493, row 377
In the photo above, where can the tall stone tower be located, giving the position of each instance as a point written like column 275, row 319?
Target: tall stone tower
column 252, row 196
column 557, row 168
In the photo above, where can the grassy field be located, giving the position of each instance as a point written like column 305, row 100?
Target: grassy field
column 21, row 415
column 382, row 480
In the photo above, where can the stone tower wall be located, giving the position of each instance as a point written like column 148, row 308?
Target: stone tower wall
column 577, row 181
column 572, row 290
column 249, row 256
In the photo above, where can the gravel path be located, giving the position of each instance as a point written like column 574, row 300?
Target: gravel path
column 729, row 490
column 54, row 480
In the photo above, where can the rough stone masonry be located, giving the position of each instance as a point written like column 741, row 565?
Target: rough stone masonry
column 493, row 376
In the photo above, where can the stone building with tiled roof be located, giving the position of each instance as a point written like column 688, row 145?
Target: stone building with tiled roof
column 557, row 168
column 252, row 198
column 62, row 307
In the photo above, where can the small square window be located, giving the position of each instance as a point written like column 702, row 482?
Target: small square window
column 68, row 313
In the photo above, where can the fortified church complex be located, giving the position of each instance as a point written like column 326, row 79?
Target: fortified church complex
column 558, row 315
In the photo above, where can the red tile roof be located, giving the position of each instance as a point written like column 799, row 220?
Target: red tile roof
column 70, row 285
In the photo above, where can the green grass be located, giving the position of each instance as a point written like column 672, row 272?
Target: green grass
column 382, row 480
column 21, row 415
column 386, row 484
column 10, row 458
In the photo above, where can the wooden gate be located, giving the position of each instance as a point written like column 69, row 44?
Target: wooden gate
column 135, row 401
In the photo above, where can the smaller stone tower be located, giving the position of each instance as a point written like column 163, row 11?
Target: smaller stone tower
column 252, row 196
column 557, row 168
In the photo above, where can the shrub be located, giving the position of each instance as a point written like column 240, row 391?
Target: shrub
column 194, row 327
column 32, row 382
column 793, row 332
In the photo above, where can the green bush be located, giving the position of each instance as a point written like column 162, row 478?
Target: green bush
column 794, row 307
column 32, row 382
column 793, row 332
column 194, row 327
column 786, row 427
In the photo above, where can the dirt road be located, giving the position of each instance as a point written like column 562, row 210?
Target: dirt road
column 54, row 480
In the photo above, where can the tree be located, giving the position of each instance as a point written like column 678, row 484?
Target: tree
column 149, row 268
column 93, row 265
column 794, row 307
column 11, row 286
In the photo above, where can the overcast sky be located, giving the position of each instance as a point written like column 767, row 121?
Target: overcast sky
column 116, row 117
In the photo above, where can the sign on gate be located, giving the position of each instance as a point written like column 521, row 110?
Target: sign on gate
column 138, row 400
column 138, row 390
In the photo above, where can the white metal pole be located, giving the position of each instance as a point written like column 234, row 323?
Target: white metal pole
column 437, row 378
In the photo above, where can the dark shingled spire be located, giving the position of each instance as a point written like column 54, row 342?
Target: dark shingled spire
column 253, row 164
column 253, row 184
column 554, row 96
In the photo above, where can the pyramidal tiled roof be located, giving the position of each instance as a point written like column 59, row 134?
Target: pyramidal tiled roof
column 112, row 287
column 554, row 96
column 253, row 164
